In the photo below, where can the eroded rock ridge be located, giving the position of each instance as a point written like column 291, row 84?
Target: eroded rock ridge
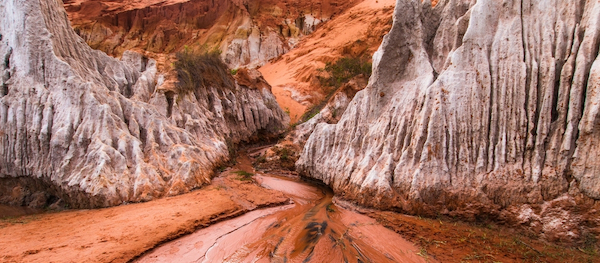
column 78, row 125
column 476, row 109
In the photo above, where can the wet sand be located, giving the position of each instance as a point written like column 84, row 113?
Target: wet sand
column 313, row 229
column 237, row 220
column 119, row 234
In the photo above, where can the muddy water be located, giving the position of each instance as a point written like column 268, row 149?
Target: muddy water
column 312, row 229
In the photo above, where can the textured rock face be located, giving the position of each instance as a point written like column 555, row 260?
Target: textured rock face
column 249, row 33
column 330, row 113
column 476, row 109
column 79, row 125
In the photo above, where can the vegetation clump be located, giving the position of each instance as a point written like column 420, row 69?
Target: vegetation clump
column 201, row 70
column 312, row 111
column 344, row 69
column 243, row 175
column 337, row 74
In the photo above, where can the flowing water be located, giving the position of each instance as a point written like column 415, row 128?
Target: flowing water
column 312, row 229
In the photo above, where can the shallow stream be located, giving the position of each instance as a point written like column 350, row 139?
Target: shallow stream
column 312, row 229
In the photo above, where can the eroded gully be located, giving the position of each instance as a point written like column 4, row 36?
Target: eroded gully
column 311, row 229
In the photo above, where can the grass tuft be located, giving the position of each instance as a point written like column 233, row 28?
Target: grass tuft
column 338, row 73
column 344, row 69
column 244, row 176
column 201, row 70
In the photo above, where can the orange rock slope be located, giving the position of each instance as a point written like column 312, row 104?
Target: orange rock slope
column 248, row 33
column 356, row 32
column 270, row 27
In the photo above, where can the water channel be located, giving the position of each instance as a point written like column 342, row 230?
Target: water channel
column 312, row 229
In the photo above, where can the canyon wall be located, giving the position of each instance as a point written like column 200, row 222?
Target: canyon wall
column 248, row 33
column 477, row 109
column 79, row 126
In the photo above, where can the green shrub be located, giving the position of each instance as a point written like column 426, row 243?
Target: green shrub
column 243, row 175
column 345, row 69
column 201, row 70
column 261, row 159
column 312, row 111
column 284, row 154
column 339, row 73
column 330, row 208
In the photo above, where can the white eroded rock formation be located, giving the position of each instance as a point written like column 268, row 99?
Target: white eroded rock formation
column 476, row 109
column 81, row 126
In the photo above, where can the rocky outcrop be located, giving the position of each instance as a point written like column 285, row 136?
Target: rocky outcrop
column 78, row 125
column 249, row 33
column 330, row 113
column 477, row 109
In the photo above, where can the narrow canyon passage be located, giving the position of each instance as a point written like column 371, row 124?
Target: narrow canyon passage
column 312, row 229
column 449, row 131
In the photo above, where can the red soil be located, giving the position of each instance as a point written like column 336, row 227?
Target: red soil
column 448, row 240
column 118, row 234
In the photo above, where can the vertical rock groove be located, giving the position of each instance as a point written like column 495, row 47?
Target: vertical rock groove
column 97, row 129
column 514, row 103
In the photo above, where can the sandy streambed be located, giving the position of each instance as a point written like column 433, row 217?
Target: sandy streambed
column 119, row 234
column 237, row 220
column 264, row 219
column 312, row 229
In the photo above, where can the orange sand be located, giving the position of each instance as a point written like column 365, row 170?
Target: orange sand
column 296, row 70
column 118, row 234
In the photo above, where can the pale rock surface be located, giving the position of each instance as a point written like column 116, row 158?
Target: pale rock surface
column 331, row 113
column 477, row 109
column 81, row 126
column 252, row 46
column 255, row 50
